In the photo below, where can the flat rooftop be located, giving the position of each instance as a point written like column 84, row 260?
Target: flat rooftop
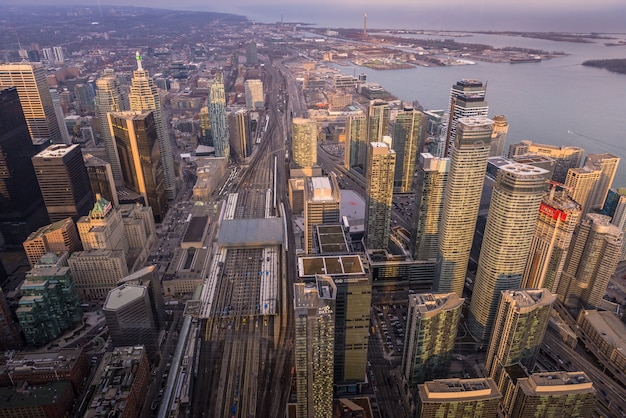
column 339, row 265
column 251, row 232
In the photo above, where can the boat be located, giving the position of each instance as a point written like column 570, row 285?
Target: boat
column 520, row 60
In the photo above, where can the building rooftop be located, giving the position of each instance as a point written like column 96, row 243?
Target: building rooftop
column 526, row 300
column 32, row 396
column 195, row 229
column 343, row 265
column 453, row 390
column 331, row 239
column 429, row 304
column 122, row 295
column 56, row 151
column 549, row 383
column 609, row 325
column 251, row 232
column 63, row 359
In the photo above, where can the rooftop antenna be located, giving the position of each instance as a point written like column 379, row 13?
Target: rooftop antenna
column 138, row 58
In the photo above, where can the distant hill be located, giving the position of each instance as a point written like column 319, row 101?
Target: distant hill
column 613, row 65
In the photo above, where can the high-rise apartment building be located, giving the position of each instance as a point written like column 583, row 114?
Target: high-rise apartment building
column 321, row 205
column 58, row 236
column 136, row 139
column 96, row 272
column 251, row 53
column 506, row 243
column 217, row 115
column 558, row 217
column 110, row 98
column 314, row 347
column 356, row 142
column 21, row 207
column 381, row 161
column 144, row 96
column 378, row 116
column 458, row 398
column 35, row 98
column 498, row 137
column 431, row 329
column 591, row 261
column 101, row 178
column 467, row 99
column 408, row 133
column 468, row 164
column 607, row 165
column 518, row 330
column 581, row 184
column 432, row 175
column 63, row 181
column 615, row 207
column 255, row 100
column 239, row 134
column 304, row 143
column 566, row 157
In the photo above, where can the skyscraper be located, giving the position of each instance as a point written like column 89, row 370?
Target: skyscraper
column 103, row 227
column 467, row 99
column 379, row 188
column 35, row 98
column 251, row 53
column 429, row 197
column 255, row 100
column 590, row 263
column 508, row 234
column 607, row 165
column 518, row 330
column 431, row 326
column 304, row 143
column 149, row 278
column 458, row 398
column 143, row 96
column 110, row 98
column 239, row 134
column 558, row 217
column 408, row 133
column 101, row 177
column 498, row 137
column 58, row 236
column 321, row 205
column 63, row 181
column 356, row 141
column 21, row 205
column 314, row 346
column 10, row 338
column 136, row 140
column 217, row 115
column 566, row 157
column 468, row 164
column 581, row 184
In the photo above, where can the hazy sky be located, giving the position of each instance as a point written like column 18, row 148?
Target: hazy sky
column 539, row 15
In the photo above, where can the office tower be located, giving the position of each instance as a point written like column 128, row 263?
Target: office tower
column 467, row 99
column 130, row 317
column 144, row 96
column 103, row 227
column 553, row 394
column 377, row 120
column 251, row 53
column 498, row 137
column 591, row 261
column 304, row 143
column 35, row 98
column 607, row 165
column 63, row 181
column 518, row 329
column 148, row 277
column 101, row 178
column 314, row 347
column 356, row 142
column 205, row 126
column 59, row 55
column 458, row 398
column 217, row 115
column 21, row 207
column 566, row 157
column 431, row 329
column 432, row 175
column 468, row 163
column 139, row 225
column 408, row 133
column 110, row 98
column 84, row 100
column 137, row 143
column 321, row 205
column 10, row 338
column 255, row 100
column 60, row 116
column 239, row 134
column 581, row 184
column 96, row 272
column 58, row 236
column 49, row 304
column 557, row 219
column 381, row 160
column 506, row 243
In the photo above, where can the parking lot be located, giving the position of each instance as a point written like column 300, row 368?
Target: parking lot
column 390, row 324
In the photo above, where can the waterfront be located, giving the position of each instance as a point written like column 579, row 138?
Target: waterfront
column 556, row 101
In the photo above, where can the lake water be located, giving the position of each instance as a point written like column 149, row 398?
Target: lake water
column 556, row 101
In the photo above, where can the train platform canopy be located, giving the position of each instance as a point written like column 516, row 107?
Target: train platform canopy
column 251, row 232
